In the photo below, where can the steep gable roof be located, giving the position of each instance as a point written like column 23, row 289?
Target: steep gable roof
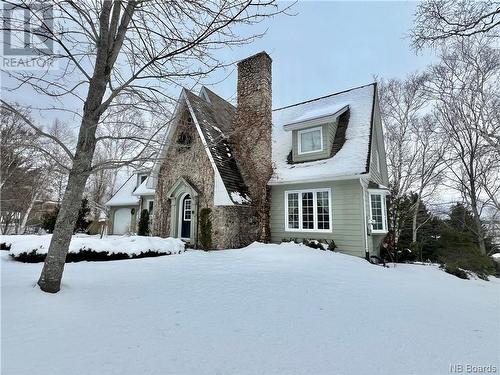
column 351, row 145
column 213, row 117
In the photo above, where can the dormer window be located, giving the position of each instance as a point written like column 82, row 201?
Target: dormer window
column 310, row 140
column 143, row 178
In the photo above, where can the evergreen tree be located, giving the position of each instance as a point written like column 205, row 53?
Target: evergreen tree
column 49, row 220
column 81, row 222
column 143, row 229
column 205, row 229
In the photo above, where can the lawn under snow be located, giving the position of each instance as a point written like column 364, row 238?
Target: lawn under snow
column 131, row 245
column 265, row 309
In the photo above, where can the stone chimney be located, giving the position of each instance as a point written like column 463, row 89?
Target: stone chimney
column 252, row 131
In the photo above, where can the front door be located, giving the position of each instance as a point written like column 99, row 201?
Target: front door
column 185, row 219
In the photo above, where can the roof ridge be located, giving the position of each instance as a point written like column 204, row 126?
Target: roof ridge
column 325, row 96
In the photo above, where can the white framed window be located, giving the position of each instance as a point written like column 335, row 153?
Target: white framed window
column 310, row 140
column 150, row 206
column 187, row 209
column 308, row 210
column 378, row 212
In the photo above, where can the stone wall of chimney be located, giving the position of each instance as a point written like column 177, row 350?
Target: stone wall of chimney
column 252, row 131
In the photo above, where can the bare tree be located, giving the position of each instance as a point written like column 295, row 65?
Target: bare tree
column 15, row 143
column 138, row 49
column 437, row 21
column 27, row 172
column 430, row 148
column 401, row 103
column 462, row 86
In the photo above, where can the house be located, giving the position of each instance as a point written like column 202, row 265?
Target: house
column 127, row 203
column 314, row 170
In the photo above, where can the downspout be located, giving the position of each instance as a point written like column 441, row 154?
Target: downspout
column 365, row 234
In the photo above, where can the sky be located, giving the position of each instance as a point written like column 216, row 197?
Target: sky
column 329, row 46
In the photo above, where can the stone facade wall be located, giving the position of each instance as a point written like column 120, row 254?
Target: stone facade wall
column 232, row 226
column 182, row 160
column 253, row 131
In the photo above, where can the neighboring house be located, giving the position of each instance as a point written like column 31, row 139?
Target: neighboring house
column 320, row 163
column 127, row 203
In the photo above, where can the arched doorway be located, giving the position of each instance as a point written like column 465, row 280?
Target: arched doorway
column 185, row 217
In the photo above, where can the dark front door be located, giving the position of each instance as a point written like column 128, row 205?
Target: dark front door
column 186, row 215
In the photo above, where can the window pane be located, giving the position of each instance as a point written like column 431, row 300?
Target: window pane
column 323, row 210
column 187, row 209
column 293, row 210
column 307, row 211
column 310, row 141
column 150, row 207
column 377, row 215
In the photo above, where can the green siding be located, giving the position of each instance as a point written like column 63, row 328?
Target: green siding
column 347, row 215
column 329, row 130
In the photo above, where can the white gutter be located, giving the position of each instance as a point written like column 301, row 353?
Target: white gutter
column 313, row 121
column 317, row 179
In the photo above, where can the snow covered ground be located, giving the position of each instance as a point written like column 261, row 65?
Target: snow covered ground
column 131, row 245
column 265, row 309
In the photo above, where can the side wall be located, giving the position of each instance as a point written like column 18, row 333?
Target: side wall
column 347, row 215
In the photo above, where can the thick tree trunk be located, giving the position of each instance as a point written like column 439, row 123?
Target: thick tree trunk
column 50, row 279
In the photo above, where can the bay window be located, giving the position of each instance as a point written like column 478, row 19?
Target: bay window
column 308, row 210
column 378, row 212
column 310, row 140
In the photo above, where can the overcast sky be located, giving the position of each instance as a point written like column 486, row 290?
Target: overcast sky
column 326, row 47
column 330, row 46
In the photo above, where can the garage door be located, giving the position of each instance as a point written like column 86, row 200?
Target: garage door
column 121, row 222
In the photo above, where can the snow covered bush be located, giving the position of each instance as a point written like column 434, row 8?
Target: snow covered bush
column 33, row 248
column 314, row 244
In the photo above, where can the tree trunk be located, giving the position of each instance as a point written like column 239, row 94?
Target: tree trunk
column 50, row 279
column 414, row 222
column 479, row 228
column 24, row 220
column 475, row 212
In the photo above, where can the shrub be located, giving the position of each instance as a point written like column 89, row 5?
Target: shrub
column 331, row 245
column 458, row 251
column 314, row 244
column 143, row 227
column 88, row 255
column 49, row 220
column 458, row 272
column 205, row 229
column 292, row 239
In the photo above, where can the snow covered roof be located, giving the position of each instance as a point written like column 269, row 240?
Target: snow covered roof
column 143, row 188
column 128, row 194
column 213, row 117
column 349, row 160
